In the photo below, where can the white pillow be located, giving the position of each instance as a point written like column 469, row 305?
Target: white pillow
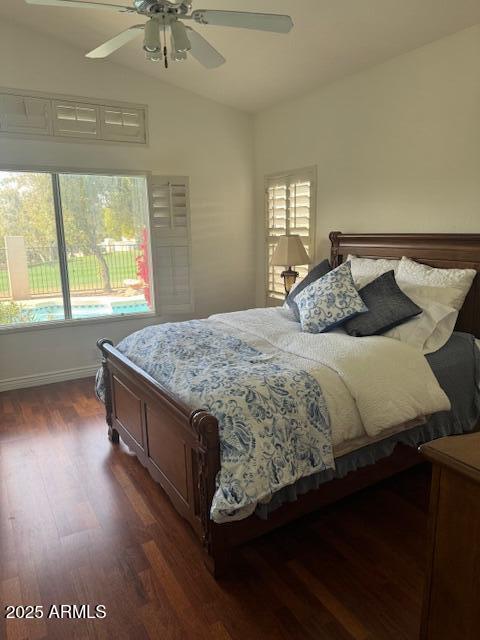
column 365, row 270
column 446, row 286
column 429, row 331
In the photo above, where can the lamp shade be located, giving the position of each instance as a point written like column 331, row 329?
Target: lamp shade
column 289, row 251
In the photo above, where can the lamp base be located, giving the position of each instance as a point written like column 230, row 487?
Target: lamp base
column 289, row 276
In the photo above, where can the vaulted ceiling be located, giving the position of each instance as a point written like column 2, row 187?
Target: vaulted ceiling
column 331, row 39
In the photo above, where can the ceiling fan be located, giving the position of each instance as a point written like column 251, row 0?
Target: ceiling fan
column 167, row 15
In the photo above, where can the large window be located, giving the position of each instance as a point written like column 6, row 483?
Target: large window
column 73, row 247
column 290, row 210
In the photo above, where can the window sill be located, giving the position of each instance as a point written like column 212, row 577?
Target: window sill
column 40, row 326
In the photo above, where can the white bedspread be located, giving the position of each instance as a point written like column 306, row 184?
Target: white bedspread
column 370, row 384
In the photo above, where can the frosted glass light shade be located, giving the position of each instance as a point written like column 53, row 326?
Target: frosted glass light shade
column 151, row 43
column 179, row 37
column 289, row 251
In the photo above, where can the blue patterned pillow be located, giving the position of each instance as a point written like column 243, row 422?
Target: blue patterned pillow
column 329, row 301
column 314, row 274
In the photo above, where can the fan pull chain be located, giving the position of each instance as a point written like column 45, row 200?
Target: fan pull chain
column 165, row 53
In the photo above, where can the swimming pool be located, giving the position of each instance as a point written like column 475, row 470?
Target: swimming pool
column 48, row 313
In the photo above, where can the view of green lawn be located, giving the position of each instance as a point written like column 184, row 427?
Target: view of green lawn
column 84, row 273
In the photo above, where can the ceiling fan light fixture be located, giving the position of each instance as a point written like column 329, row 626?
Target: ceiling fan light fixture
column 170, row 14
column 151, row 43
column 153, row 57
column 180, row 40
column 178, row 56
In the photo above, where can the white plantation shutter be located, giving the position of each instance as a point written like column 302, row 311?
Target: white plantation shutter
column 170, row 234
column 277, row 194
column 300, row 200
column 23, row 114
column 123, row 124
column 64, row 117
column 75, row 119
column 290, row 211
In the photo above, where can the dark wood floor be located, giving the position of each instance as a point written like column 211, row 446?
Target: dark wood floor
column 82, row 522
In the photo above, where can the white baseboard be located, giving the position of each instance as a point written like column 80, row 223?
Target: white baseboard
column 48, row 377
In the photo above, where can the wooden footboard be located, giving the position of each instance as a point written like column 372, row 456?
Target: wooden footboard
column 179, row 446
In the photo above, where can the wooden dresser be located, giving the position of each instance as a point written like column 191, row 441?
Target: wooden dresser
column 451, row 606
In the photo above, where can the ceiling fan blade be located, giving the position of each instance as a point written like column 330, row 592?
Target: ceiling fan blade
column 244, row 20
column 82, row 5
column 203, row 51
column 116, row 42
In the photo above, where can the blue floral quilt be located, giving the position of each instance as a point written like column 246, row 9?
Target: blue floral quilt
column 273, row 419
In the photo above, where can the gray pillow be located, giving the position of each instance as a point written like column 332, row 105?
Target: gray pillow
column 317, row 272
column 387, row 306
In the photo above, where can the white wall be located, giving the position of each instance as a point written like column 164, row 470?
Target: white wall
column 397, row 146
column 189, row 135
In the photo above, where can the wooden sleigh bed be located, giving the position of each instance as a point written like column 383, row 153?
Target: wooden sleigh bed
column 179, row 445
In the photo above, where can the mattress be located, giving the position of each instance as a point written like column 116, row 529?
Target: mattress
column 457, row 369
column 452, row 366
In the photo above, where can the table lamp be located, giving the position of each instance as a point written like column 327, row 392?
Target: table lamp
column 289, row 251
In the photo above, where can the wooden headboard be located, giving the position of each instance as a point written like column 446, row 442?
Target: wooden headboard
column 446, row 250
